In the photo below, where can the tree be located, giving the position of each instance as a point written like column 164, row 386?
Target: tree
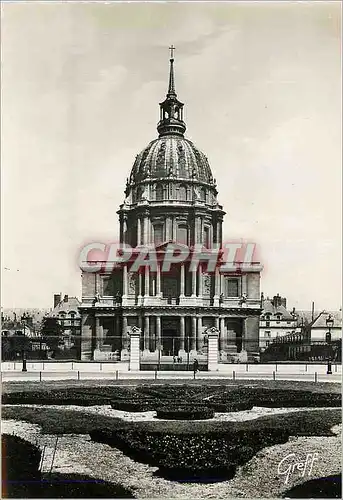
column 51, row 332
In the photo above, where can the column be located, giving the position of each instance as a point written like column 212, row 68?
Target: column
column 145, row 230
column 221, row 290
column 125, row 283
column 216, row 287
column 124, row 333
column 199, row 340
column 200, row 281
column 194, row 283
column 96, row 283
column 194, row 333
column 182, row 333
column 168, row 231
column 140, row 291
column 222, row 334
column 146, row 333
column 182, row 281
column 174, row 229
column 216, row 322
column 211, row 235
column 147, row 281
column 158, row 331
column 158, row 280
column 101, row 334
column 97, row 332
column 244, row 285
column 139, row 231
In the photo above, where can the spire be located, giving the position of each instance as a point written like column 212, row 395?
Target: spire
column 171, row 88
column 171, row 109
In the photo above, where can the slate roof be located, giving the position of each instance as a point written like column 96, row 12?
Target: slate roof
column 320, row 322
column 269, row 308
column 71, row 305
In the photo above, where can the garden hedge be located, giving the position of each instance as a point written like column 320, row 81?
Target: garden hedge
column 185, row 413
column 197, row 455
column 20, row 464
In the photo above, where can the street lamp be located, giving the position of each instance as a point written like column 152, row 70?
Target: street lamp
column 24, row 369
column 329, row 324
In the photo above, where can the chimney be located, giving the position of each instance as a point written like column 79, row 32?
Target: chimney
column 66, row 298
column 57, row 299
column 312, row 311
column 283, row 301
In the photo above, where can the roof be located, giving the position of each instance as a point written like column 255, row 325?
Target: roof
column 72, row 305
column 269, row 308
column 171, row 156
column 320, row 322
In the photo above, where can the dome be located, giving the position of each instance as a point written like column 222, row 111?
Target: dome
column 171, row 156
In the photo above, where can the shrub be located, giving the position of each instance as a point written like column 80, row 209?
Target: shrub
column 231, row 407
column 125, row 405
column 20, row 463
column 197, row 454
column 185, row 413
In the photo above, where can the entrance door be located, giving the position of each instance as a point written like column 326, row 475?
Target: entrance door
column 170, row 337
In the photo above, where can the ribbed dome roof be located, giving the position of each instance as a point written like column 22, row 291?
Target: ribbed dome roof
column 171, row 156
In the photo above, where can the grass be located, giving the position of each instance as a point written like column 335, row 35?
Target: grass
column 57, row 485
column 60, row 421
column 8, row 387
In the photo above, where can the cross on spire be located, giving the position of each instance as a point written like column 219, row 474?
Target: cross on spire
column 172, row 48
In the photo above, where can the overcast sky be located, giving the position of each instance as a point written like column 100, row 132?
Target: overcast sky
column 81, row 85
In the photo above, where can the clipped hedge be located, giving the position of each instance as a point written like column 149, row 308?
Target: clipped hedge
column 134, row 406
column 231, row 407
column 20, row 463
column 198, row 454
column 56, row 397
column 185, row 413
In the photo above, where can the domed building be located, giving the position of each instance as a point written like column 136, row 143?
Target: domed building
column 170, row 197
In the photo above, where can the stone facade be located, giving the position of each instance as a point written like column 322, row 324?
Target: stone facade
column 170, row 196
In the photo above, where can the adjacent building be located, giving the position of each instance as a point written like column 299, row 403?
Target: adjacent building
column 276, row 321
column 66, row 311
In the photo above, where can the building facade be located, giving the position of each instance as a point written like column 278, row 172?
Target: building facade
column 276, row 321
column 66, row 312
column 170, row 197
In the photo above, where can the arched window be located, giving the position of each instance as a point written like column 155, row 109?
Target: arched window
column 182, row 193
column 158, row 234
column 159, row 192
column 182, row 234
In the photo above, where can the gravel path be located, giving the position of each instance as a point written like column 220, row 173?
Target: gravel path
column 258, row 478
column 145, row 416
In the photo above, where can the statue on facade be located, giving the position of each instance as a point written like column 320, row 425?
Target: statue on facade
column 243, row 299
column 96, row 298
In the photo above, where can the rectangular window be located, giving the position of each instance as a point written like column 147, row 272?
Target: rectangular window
column 182, row 235
column 108, row 286
column 207, row 237
column 158, row 234
column 232, row 288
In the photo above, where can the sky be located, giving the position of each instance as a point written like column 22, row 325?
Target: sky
column 81, row 83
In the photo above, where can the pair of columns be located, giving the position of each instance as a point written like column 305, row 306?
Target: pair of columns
column 99, row 331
